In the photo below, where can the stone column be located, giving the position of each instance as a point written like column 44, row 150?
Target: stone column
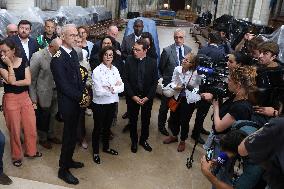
column 19, row 5
column 261, row 12
column 243, row 9
column 265, row 12
column 236, row 8
column 220, row 8
column 66, row 3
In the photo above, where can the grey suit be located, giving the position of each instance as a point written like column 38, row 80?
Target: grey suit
column 126, row 45
column 42, row 85
column 169, row 60
column 42, row 90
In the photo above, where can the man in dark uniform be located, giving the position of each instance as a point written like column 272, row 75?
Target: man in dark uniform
column 141, row 79
column 67, row 77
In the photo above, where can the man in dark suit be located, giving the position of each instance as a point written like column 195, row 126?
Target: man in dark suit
column 69, row 85
column 217, row 55
column 141, row 79
column 26, row 44
column 170, row 58
column 113, row 32
column 128, row 41
column 126, row 50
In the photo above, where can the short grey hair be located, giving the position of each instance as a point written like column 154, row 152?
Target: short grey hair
column 179, row 30
column 56, row 41
column 67, row 27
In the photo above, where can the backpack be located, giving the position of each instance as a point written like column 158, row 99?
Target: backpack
column 246, row 126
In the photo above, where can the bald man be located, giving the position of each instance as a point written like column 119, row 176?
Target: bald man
column 12, row 29
column 43, row 94
column 66, row 74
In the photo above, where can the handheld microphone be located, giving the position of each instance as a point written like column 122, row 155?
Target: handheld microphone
column 221, row 161
column 204, row 70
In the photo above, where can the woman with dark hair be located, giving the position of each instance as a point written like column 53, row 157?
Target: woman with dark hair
column 151, row 52
column 107, row 83
column 17, row 105
column 185, row 81
column 83, row 32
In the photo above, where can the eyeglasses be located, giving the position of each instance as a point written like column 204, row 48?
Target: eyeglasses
column 13, row 31
column 108, row 55
column 137, row 50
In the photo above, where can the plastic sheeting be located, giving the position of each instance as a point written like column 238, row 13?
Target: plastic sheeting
column 103, row 13
column 149, row 26
column 278, row 37
column 73, row 14
column 33, row 14
column 6, row 18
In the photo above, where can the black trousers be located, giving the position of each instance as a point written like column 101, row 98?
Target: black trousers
column 203, row 107
column 81, row 129
column 179, row 120
column 163, row 112
column 133, row 112
column 69, row 137
column 42, row 118
column 103, row 115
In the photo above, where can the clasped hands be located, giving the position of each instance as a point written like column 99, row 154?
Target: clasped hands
column 140, row 101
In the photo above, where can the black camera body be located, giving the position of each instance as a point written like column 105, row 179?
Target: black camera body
column 214, row 77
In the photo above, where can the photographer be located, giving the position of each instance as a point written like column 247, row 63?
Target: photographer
column 265, row 147
column 226, row 161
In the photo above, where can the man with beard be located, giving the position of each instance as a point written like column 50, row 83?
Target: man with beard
column 48, row 35
column 26, row 44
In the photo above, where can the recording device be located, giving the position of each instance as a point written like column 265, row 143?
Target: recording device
column 270, row 87
column 214, row 77
column 220, row 161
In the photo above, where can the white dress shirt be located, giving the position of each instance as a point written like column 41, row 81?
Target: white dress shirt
column 181, row 79
column 103, row 79
column 26, row 47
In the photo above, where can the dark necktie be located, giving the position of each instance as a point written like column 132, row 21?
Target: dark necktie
column 180, row 57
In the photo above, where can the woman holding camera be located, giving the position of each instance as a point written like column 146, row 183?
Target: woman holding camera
column 107, row 83
column 185, row 82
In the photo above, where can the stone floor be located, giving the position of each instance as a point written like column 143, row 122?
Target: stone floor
column 163, row 168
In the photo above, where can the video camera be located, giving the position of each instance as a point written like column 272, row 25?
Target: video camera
column 270, row 86
column 214, row 76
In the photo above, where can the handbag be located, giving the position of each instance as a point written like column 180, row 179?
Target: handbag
column 173, row 104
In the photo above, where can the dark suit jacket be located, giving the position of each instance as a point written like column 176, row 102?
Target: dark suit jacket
column 67, row 77
column 131, row 77
column 126, row 45
column 97, row 47
column 215, row 53
column 33, row 47
column 169, row 61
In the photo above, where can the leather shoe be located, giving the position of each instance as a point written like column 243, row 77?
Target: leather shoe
column 76, row 164
column 170, row 139
column 5, row 180
column 97, row 159
column 181, row 146
column 67, row 177
column 205, row 132
column 145, row 145
column 164, row 131
column 126, row 128
column 46, row 144
column 111, row 151
column 199, row 139
column 134, row 147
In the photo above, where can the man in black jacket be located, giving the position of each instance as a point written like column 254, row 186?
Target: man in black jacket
column 141, row 79
column 69, row 86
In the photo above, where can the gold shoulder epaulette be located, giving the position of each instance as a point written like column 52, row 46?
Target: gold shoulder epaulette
column 57, row 54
